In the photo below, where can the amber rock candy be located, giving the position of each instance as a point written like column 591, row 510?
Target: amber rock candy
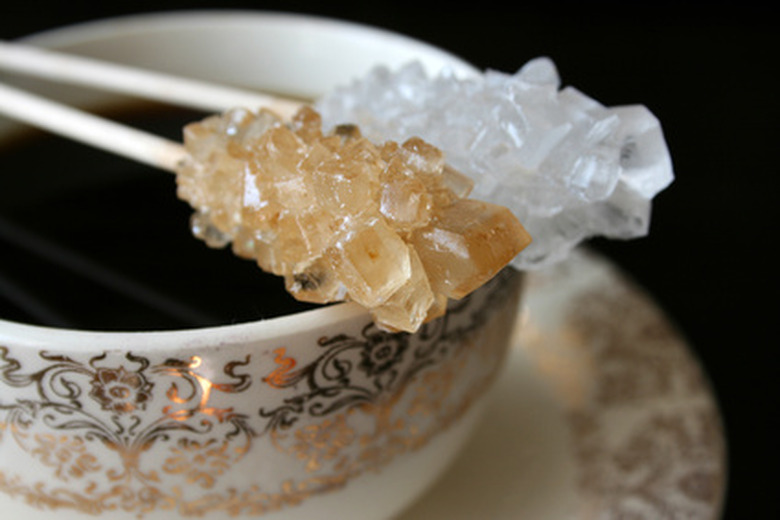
column 340, row 218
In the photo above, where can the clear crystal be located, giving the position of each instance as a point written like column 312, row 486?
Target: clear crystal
column 568, row 167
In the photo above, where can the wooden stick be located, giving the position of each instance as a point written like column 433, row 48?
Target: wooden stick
column 148, row 84
column 93, row 130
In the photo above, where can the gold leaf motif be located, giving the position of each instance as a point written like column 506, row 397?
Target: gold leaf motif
column 126, row 432
column 318, row 443
column 67, row 454
column 281, row 374
column 200, row 462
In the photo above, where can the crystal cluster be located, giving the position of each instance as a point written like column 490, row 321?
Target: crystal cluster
column 568, row 167
column 388, row 226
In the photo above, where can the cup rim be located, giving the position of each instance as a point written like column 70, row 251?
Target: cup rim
column 23, row 334
column 89, row 30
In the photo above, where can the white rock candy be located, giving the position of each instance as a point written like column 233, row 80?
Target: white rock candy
column 568, row 167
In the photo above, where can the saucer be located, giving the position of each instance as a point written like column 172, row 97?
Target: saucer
column 601, row 413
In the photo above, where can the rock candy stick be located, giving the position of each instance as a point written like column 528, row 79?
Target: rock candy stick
column 148, row 84
column 89, row 129
column 388, row 226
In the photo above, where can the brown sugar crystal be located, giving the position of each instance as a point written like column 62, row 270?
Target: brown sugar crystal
column 387, row 226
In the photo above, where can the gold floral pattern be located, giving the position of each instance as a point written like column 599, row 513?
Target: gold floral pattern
column 317, row 444
column 120, row 431
column 119, row 390
column 662, row 466
column 68, row 455
column 201, row 462
column 646, row 435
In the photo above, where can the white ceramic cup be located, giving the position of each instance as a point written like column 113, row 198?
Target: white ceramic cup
column 311, row 415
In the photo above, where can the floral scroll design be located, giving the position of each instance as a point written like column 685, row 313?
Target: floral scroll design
column 126, row 432
column 376, row 365
column 120, row 391
column 69, row 411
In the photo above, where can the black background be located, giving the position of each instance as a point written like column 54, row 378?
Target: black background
column 706, row 69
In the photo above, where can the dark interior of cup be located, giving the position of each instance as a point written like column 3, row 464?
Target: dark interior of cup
column 94, row 241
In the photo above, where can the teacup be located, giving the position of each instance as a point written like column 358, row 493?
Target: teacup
column 318, row 414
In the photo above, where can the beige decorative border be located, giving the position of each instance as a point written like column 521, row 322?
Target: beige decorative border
column 125, row 432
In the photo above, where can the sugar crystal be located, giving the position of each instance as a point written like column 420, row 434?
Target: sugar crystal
column 568, row 167
column 388, row 226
